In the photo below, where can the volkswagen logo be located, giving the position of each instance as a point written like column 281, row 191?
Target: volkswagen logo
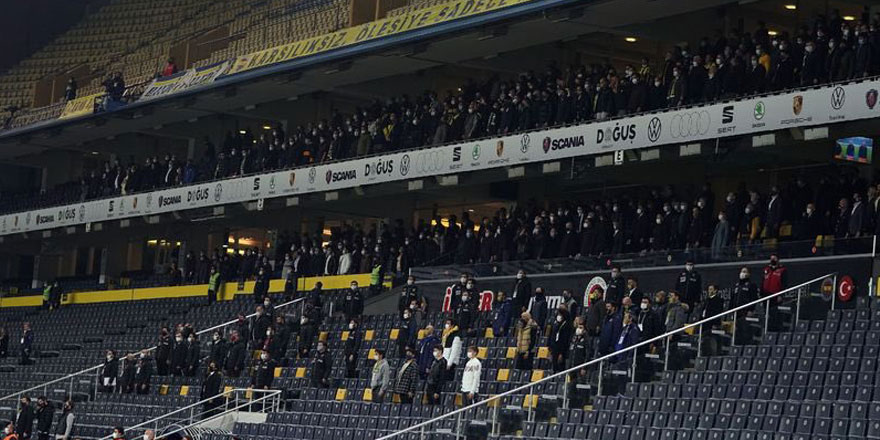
column 524, row 143
column 312, row 174
column 838, row 97
column 655, row 127
column 685, row 125
column 404, row 165
column 82, row 214
column 427, row 162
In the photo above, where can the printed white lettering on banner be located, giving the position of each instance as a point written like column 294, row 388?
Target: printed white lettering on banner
column 691, row 125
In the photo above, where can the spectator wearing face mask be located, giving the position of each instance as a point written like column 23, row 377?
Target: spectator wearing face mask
column 179, row 356
column 775, row 281
column 126, row 382
column 629, row 336
column 610, row 328
column 616, row 286
column 466, row 311
column 559, row 339
column 689, row 284
column 353, row 303
column 64, row 426
column 264, row 372
column 119, row 433
column 406, row 378
column 580, row 351
column 214, row 284
column 470, row 380
column 237, row 355
column 211, row 387
column 526, row 338
column 351, row 348
column 193, row 355
column 262, row 322
column 451, row 343
column 409, row 293
column 309, row 323
column 321, row 367
column 437, row 376
column 261, row 285
column 522, row 292
column 143, row 373
column 380, row 379
column 406, row 332
column 109, row 372
column 538, row 309
column 218, row 348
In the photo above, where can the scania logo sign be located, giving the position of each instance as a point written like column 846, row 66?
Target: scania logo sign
column 339, row 176
column 617, row 133
column 655, row 127
column 169, row 200
column 690, row 124
column 563, row 143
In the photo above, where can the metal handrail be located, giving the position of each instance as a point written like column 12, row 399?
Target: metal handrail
column 96, row 367
column 600, row 359
column 152, row 423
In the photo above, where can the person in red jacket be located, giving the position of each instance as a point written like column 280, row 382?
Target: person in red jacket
column 774, row 281
column 170, row 68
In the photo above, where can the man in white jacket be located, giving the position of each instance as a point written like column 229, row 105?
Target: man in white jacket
column 470, row 380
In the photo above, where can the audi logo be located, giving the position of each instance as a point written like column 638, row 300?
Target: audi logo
column 684, row 125
column 427, row 162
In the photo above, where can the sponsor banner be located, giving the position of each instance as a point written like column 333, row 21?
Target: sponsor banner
column 183, row 80
column 84, row 105
column 417, row 19
column 819, row 106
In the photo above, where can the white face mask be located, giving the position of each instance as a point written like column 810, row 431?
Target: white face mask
column 471, row 355
column 8, row 430
column 179, row 339
column 351, row 326
column 558, row 318
column 302, row 320
column 447, row 326
column 438, row 354
column 146, row 437
column 643, row 306
column 463, row 280
column 519, row 276
column 117, row 435
column 409, row 282
column 264, row 357
column 579, row 331
column 464, row 297
column 406, row 316
column 743, row 275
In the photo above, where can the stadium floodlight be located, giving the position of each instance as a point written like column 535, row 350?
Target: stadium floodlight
column 631, row 39
column 791, row 7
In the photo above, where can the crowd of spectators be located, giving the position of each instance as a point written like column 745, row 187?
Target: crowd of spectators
column 722, row 67
column 653, row 220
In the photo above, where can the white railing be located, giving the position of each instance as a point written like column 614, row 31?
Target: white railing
column 44, row 387
column 203, row 411
column 495, row 400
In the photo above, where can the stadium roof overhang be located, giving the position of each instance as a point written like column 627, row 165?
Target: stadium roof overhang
column 477, row 37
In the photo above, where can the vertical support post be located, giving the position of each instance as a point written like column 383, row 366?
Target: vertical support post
column 767, row 314
column 834, row 292
column 495, row 427
column 458, row 426
column 666, row 355
column 733, row 337
column 599, row 387
column 700, row 342
column 635, row 358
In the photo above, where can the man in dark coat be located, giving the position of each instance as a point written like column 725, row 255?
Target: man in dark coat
column 24, row 421
column 436, row 377
column 352, row 346
column 143, row 372
column 522, row 293
column 45, row 414
column 211, row 387
column 322, row 365
column 264, row 373
column 689, row 285
column 353, row 303
column 237, row 355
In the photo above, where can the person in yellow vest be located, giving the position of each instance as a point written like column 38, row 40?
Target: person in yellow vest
column 213, row 285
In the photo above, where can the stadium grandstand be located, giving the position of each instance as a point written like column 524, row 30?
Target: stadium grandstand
column 439, row 219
